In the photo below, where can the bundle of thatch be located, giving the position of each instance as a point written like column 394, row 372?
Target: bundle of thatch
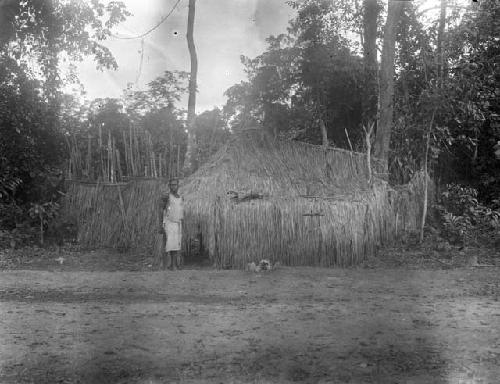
column 258, row 198
column 407, row 203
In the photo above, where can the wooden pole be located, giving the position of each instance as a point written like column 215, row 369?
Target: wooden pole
column 137, row 151
column 118, row 165
column 89, row 155
column 100, row 152
column 160, row 170
column 127, row 165
column 77, row 160
column 70, row 175
column 110, row 151
column 368, row 135
column 178, row 159
column 170, row 152
column 324, row 133
column 131, row 152
column 165, row 162
column 426, row 193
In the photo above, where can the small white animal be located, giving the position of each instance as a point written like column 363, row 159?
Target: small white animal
column 263, row 265
column 251, row 267
column 60, row 260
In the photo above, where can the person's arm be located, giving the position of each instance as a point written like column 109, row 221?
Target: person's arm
column 182, row 210
column 161, row 207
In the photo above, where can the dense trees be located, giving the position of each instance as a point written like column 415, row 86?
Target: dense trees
column 35, row 37
column 307, row 84
column 30, row 141
column 459, row 85
column 324, row 73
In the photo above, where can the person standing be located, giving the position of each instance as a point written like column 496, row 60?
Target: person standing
column 171, row 214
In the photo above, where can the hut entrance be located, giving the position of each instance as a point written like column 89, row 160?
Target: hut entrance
column 196, row 254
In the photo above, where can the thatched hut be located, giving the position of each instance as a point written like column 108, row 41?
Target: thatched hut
column 258, row 197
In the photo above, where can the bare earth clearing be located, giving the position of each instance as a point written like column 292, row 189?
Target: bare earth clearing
column 311, row 325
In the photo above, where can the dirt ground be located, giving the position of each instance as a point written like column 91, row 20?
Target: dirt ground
column 101, row 317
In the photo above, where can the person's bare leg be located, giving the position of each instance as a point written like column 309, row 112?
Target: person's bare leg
column 171, row 260
column 165, row 260
column 163, row 256
column 176, row 259
column 180, row 261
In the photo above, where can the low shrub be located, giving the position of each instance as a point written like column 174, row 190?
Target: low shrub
column 465, row 220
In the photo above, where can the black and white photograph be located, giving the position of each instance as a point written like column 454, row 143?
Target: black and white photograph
column 249, row 191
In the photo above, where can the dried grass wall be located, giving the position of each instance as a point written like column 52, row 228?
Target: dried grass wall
column 292, row 230
column 115, row 215
column 299, row 231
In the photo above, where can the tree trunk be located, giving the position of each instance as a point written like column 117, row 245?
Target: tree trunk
column 386, row 95
column 369, row 38
column 440, row 38
column 188, row 161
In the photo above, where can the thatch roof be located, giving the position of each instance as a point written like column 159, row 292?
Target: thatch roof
column 253, row 161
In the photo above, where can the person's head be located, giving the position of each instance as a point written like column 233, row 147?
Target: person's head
column 174, row 185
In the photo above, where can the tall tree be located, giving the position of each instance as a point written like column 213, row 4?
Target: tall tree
column 440, row 81
column 386, row 95
column 370, row 65
column 441, row 65
column 192, row 89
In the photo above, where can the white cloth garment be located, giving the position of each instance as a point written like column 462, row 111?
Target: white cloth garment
column 175, row 209
column 174, row 236
column 172, row 223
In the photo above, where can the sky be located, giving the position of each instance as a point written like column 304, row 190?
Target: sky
column 223, row 30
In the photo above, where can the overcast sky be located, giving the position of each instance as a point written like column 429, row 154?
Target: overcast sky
column 224, row 30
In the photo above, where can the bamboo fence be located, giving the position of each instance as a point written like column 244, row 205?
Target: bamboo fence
column 108, row 157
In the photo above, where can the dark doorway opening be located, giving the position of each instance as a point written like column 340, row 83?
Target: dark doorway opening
column 196, row 255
